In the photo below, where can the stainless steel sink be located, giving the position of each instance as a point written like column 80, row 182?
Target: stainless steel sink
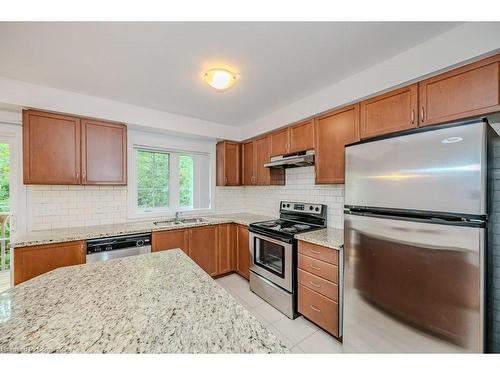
column 170, row 222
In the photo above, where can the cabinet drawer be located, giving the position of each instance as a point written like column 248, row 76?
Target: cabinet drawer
column 317, row 267
column 316, row 283
column 319, row 252
column 319, row 309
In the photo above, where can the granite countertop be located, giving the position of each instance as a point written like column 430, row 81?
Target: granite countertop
column 98, row 231
column 152, row 303
column 328, row 237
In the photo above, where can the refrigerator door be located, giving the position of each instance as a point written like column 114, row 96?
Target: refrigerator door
column 412, row 287
column 442, row 170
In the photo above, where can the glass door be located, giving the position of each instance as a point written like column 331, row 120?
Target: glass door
column 5, row 255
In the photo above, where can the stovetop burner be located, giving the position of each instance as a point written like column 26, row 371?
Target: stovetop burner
column 270, row 224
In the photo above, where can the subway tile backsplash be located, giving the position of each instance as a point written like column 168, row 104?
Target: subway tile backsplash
column 51, row 207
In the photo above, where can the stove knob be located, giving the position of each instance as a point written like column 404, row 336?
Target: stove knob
column 139, row 243
column 316, row 209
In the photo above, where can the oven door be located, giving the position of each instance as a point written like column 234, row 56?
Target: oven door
column 272, row 259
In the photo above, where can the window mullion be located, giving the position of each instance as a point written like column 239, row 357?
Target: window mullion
column 174, row 181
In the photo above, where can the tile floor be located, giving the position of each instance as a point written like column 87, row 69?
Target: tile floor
column 299, row 335
column 4, row 280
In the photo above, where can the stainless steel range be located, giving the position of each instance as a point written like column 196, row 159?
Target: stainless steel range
column 273, row 253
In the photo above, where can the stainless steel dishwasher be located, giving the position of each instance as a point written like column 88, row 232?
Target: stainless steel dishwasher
column 101, row 249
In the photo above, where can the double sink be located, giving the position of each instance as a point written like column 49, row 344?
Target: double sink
column 179, row 221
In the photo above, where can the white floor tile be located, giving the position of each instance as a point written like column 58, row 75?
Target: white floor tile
column 320, row 342
column 269, row 313
column 252, row 299
column 296, row 330
column 296, row 350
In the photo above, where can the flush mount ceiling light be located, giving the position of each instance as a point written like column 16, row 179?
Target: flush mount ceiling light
column 220, row 79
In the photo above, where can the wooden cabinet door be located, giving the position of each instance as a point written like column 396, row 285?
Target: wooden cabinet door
column 279, row 142
column 32, row 261
column 242, row 251
column 390, row 112
column 248, row 164
column 227, row 248
column 333, row 131
column 472, row 90
column 228, row 163
column 170, row 239
column 203, row 248
column 301, row 137
column 262, row 156
column 104, row 153
column 51, row 148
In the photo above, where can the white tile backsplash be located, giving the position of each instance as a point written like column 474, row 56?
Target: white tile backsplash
column 52, row 207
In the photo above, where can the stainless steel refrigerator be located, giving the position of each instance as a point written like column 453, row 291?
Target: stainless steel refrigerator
column 415, row 239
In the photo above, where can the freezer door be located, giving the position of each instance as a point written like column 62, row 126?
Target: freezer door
column 440, row 170
column 412, row 287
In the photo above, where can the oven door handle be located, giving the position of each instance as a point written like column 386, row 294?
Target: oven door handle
column 277, row 239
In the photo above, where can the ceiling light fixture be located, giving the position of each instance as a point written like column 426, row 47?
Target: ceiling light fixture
column 220, row 79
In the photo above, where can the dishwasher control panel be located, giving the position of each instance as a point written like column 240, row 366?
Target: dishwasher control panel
column 99, row 245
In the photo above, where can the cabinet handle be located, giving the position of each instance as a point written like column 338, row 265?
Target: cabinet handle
column 77, row 175
column 315, row 252
column 84, row 175
column 225, row 180
column 314, row 284
column 315, row 267
column 422, row 114
column 412, row 116
column 314, row 308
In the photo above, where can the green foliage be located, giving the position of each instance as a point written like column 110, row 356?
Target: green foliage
column 4, row 193
column 186, row 181
column 4, row 177
column 153, row 172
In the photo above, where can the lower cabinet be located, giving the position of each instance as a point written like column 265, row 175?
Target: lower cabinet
column 242, row 251
column 32, row 261
column 318, row 289
column 203, row 248
column 170, row 239
column 227, row 248
column 213, row 248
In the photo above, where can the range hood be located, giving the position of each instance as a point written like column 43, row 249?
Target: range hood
column 300, row 159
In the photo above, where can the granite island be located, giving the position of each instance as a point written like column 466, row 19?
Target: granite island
column 153, row 303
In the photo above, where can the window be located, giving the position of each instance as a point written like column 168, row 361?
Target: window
column 152, row 179
column 167, row 181
column 186, row 181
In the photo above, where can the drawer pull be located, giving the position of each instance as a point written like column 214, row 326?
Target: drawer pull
column 314, row 284
column 315, row 267
column 315, row 252
column 314, row 308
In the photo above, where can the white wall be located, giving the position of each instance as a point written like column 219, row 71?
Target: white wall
column 454, row 47
column 24, row 94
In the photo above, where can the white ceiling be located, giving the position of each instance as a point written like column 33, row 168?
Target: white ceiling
column 160, row 65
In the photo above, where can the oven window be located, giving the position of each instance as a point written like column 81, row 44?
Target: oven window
column 270, row 256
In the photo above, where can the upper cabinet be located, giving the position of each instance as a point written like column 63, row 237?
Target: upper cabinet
column 333, row 131
column 472, row 90
column 262, row 153
column 104, row 153
column 279, row 142
column 390, row 112
column 248, row 164
column 295, row 138
column 228, row 163
column 255, row 154
column 301, row 137
column 51, row 148
column 66, row 150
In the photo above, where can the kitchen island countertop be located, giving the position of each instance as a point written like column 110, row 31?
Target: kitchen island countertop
column 153, row 303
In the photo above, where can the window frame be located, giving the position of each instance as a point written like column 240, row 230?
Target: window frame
column 135, row 212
